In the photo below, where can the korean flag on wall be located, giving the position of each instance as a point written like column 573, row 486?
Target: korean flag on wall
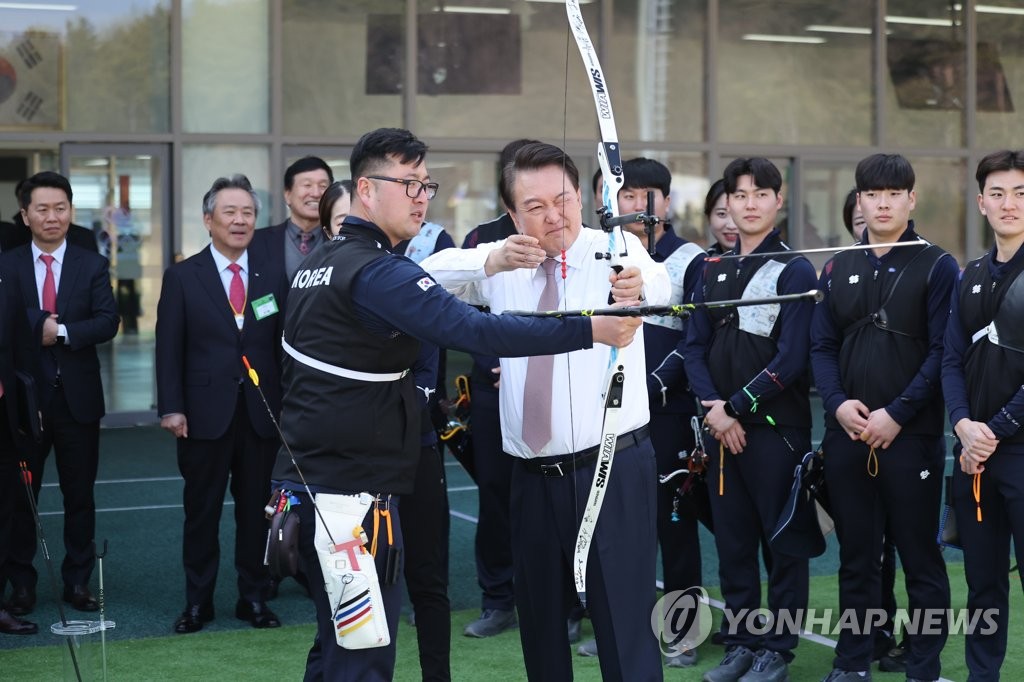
column 30, row 80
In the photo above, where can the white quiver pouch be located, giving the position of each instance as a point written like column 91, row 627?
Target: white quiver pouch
column 350, row 574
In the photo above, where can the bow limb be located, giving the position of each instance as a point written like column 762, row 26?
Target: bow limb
column 609, row 155
column 610, row 160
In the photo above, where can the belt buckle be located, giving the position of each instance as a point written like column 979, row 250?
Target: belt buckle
column 552, row 470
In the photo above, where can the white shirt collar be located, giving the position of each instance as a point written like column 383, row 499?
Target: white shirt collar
column 58, row 253
column 223, row 261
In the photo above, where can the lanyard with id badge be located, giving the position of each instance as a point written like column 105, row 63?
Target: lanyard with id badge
column 262, row 307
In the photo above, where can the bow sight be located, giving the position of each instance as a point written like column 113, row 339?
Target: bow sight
column 609, row 222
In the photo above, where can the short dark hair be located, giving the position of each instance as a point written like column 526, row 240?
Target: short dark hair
column 644, row 172
column 715, row 193
column 884, row 171
column 593, row 183
column 508, row 153
column 45, row 179
column 378, row 147
column 237, row 181
column 535, row 156
column 848, row 205
column 1002, row 160
column 336, row 191
column 764, row 172
column 305, row 165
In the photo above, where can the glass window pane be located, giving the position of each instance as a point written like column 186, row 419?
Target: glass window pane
column 225, row 66
column 342, row 66
column 825, row 186
column 656, row 69
column 120, row 197
column 201, row 165
column 940, row 214
column 90, row 67
column 461, row 94
column 795, row 73
column 468, row 194
column 925, row 85
column 1000, row 75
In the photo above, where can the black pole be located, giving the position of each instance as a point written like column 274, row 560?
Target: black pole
column 26, row 478
column 649, row 224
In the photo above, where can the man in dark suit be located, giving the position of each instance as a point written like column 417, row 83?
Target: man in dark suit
column 67, row 289
column 16, row 233
column 305, row 182
column 216, row 307
column 15, row 352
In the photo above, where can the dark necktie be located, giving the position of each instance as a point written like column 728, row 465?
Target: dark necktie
column 49, row 284
column 539, row 374
column 305, row 244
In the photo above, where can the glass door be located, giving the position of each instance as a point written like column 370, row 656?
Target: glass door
column 121, row 194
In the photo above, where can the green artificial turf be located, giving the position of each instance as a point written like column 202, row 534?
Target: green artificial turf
column 280, row 654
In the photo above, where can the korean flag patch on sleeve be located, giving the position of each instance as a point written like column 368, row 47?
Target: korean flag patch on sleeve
column 425, row 283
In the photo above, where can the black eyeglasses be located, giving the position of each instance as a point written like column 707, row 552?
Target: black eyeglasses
column 412, row 187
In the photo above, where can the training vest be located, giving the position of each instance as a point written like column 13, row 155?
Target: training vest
column 994, row 362
column 423, row 244
column 676, row 264
column 348, row 435
column 745, row 339
column 883, row 315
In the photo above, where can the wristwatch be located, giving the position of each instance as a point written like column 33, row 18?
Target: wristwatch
column 730, row 410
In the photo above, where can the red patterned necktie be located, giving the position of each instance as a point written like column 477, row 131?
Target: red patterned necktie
column 236, row 292
column 49, row 285
column 539, row 373
column 304, row 242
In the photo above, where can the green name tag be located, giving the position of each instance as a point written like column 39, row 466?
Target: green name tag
column 264, row 307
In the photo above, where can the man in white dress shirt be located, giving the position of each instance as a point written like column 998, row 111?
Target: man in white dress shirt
column 556, row 450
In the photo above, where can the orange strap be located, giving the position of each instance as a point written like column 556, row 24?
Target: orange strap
column 376, row 526
column 872, row 463
column 377, row 513
column 721, row 468
column 976, row 489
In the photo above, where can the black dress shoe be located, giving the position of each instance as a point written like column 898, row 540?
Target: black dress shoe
column 257, row 613
column 80, row 598
column 12, row 625
column 22, row 601
column 192, row 618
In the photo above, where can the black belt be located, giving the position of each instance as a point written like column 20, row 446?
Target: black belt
column 562, row 465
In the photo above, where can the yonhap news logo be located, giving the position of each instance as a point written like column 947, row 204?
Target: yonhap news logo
column 681, row 620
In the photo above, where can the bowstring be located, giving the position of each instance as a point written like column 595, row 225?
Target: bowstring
column 564, row 267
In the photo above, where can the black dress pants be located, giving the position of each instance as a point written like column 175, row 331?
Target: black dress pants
column 493, row 544
column 425, row 524
column 207, row 465
column 76, row 448
column 546, row 513
column 903, row 500
column 755, row 486
column 986, row 546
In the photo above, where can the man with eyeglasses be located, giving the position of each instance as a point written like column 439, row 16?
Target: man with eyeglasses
column 351, row 411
